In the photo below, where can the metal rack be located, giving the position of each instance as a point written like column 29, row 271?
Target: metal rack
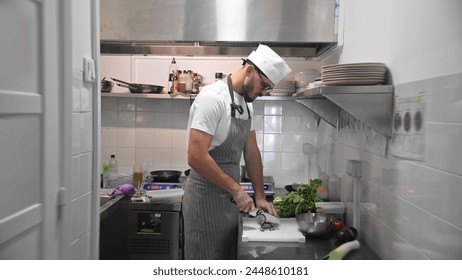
column 371, row 104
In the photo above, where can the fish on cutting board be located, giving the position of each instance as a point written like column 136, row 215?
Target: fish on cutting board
column 287, row 231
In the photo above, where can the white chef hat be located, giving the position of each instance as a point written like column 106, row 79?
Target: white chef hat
column 270, row 63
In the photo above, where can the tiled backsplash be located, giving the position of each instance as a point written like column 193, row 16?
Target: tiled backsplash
column 153, row 132
column 410, row 208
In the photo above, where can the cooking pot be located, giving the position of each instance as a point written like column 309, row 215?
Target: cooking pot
column 165, row 175
column 139, row 88
column 106, row 86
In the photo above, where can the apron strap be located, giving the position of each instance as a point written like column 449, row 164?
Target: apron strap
column 234, row 106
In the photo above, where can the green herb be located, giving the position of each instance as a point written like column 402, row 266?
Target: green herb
column 300, row 201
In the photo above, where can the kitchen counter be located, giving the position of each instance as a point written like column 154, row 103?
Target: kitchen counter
column 107, row 208
column 113, row 241
column 313, row 249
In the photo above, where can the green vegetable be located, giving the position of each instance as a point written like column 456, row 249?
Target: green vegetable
column 300, row 201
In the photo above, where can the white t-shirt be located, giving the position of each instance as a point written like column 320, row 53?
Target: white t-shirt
column 211, row 112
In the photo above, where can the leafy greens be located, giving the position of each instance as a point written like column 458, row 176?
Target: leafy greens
column 300, row 201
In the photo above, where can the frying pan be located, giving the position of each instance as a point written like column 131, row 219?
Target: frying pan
column 165, row 175
column 139, row 88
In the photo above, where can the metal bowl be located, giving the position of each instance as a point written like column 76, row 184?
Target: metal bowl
column 314, row 224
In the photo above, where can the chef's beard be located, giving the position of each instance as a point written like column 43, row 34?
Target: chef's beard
column 248, row 88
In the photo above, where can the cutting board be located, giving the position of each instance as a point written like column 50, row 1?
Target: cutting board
column 287, row 232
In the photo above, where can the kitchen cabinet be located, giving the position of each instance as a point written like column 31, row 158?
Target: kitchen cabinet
column 373, row 105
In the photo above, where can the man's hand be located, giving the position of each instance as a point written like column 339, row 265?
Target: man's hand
column 243, row 201
column 267, row 206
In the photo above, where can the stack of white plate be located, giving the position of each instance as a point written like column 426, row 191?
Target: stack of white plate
column 284, row 88
column 367, row 73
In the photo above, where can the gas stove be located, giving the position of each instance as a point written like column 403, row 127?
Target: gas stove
column 268, row 184
column 245, row 185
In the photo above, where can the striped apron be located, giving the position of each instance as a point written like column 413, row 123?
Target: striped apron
column 210, row 218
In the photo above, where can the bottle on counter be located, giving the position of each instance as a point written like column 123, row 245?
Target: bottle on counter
column 112, row 175
column 172, row 75
column 196, row 83
column 170, row 83
column 188, row 82
column 334, row 188
column 174, row 86
column 173, row 68
column 182, row 81
column 322, row 192
column 113, row 165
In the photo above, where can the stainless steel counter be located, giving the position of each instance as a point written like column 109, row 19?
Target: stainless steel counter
column 113, row 241
column 312, row 249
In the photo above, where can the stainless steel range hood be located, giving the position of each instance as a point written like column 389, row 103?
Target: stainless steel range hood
column 217, row 27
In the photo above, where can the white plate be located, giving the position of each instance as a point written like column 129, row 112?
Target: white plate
column 354, row 76
column 340, row 82
column 358, row 70
column 355, row 65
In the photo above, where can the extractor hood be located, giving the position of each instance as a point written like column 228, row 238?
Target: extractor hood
column 302, row 28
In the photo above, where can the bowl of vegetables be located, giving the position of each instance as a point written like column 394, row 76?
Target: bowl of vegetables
column 301, row 200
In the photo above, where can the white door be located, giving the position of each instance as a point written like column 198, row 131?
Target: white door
column 37, row 134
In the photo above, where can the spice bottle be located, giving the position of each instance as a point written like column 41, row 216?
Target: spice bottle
column 170, row 83
column 172, row 69
column 188, row 82
column 181, row 81
column 196, row 83
column 174, row 88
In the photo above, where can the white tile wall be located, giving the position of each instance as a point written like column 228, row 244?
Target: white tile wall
column 153, row 131
column 416, row 202
column 140, row 130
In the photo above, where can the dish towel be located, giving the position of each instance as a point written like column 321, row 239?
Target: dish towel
column 122, row 190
